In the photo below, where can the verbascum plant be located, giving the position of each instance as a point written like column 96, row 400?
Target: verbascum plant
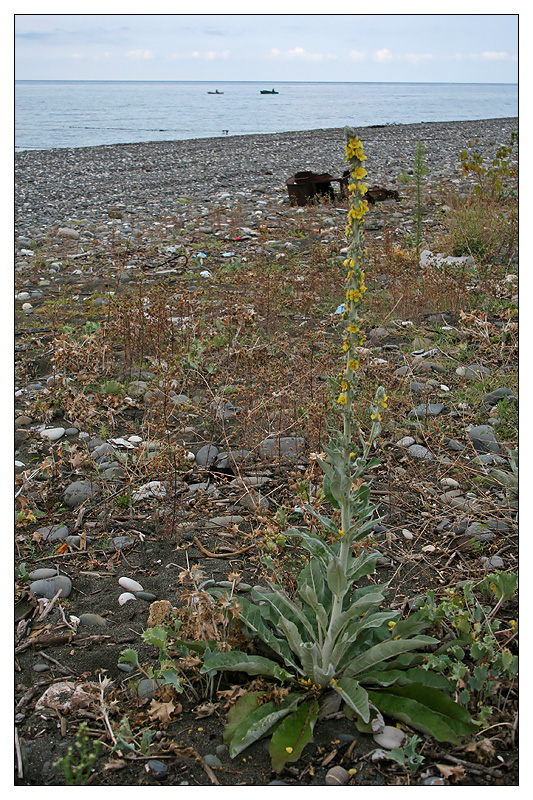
column 334, row 634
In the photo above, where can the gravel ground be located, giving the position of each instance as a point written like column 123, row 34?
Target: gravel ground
column 53, row 186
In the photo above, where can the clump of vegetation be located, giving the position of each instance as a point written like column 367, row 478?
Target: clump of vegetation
column 78, row 763
column 333, row 634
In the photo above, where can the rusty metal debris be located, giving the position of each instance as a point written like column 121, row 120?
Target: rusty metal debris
column 305, row 187
column 379, row 193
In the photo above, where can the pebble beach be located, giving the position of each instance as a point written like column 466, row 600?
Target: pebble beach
column 177, row 334
column 148, row 180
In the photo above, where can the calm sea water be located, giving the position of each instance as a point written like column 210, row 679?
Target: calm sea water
column 52, row 114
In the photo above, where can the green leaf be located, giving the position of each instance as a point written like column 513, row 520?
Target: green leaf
column 331, row 486
column 312, row 543
column 256, row 619
column 129, row 656
column 239, row 712
column 425, row 709
column 259, row 722
column 352, row 633
column 354, row 696
column 309, row 596
column 363, row 565
column 292, row 734
column 401, row 677
column 384, row 650
column 157, row 636
column 286, row 608
column 171, row 678
column 235, row 661
column 336, row 577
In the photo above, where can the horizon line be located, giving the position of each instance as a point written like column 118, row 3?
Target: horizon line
column 233, row 80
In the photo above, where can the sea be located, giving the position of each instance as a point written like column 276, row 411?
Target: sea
column 66, row 114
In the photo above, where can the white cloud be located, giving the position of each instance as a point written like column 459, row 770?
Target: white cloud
column 491, row 56
column 383, row 55
column 299, row 54
column 357, row 55
column 139, row 55
column 386, row 56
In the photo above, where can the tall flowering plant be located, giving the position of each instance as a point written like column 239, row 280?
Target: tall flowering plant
column 334, row 634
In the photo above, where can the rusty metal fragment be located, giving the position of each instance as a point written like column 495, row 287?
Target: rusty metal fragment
column 304, row 187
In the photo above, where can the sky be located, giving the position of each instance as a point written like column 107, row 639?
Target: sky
column 464, row 48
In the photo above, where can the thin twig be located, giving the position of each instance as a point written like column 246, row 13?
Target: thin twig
column 49, row 606
column 221, row 555
column 103, row 686
column 20, row 772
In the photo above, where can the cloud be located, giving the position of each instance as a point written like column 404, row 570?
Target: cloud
column 490, row 56
column 357, row 55
column 383, row 55
column 139, row 55
column 299, row 54
column 386, row 56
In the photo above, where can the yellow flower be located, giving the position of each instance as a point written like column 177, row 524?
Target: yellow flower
column 288, row 750
column 345, row 346
column 353, row 328
column 344, row 386
column 342, row 400
column 341, row 532
column 391, row 625
column 359, row 173
column 353, row 364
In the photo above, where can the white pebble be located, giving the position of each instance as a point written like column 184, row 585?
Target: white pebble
column 125, row 597
column 130, row 585
column 389, row 737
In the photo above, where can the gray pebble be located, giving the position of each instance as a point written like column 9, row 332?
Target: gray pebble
column 148, row 687
column 206, row 455
column 48, row 587
column 484, row 439
column 41, row 573
column 212, row 761
column 426, row 410
column 77, row 492
column 118, row 542
column 337, row 776
column 157, row 768
column 92, row 620
column 419, row 451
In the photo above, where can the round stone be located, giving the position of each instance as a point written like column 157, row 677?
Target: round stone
column 92, row 620
column 157, row 769
column 337, row 776
column 77, row 492
column 48, row 587
column 389, row 737
column 41, row 573
column 130, row 585
column 125, row 597
column 52, row 434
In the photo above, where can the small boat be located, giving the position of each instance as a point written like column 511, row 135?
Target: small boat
column 268, row 91
column 217, row 92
